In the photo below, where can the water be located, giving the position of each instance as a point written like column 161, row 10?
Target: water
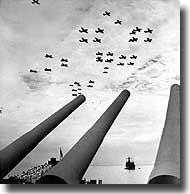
column 118, row 175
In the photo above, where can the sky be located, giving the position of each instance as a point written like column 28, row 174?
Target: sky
column 30, row 31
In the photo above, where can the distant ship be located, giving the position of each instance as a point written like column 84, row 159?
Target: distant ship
column 130, row 165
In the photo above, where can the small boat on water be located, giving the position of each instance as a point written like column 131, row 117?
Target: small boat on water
column 130, row 164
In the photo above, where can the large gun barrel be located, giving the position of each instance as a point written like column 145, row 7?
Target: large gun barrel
column 11, row 155
column 74, row 164
column 167, row 165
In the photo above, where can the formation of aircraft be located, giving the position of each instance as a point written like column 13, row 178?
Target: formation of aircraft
column 33, row 71
column 99, row 59
column 83, row 30
column 109, row 60
column 47, row 69
column 118, row 22
column 121, row 64
column 109, row 54
column 48, row 56
column 148, row 40
column 133, row 39
column 133, row 57
column 106, row 13
column 130, row 63
column 83, row 40
column 99, row 30
column 99, row 53
column 97, row 40
column 122, row 57
column 148, row 31
column 36, row 2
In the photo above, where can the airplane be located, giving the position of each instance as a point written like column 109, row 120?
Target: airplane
column 99, row 30
column 109, row 54
column 74, row 90
column 148, row 31
column 48, row 56
column 79, row 93
column 118, row 22
column 97, row 40
column 138, row 29
column 79, row 88
column 64, row 60
column 91, row 82
column 108, row 60
column 46, row 69
column 133, row 39
column 71, row 85
column 148, row 40
column 106, row 13
column 64, row 65
column 99, row 59
column 130, row 63
column 85, row 30
column 36, row 2
column 77, row 83
column 74, row 94
column 122, row 57
column 98, row 53
column 89, row 86
column 33, row 71
column 83, row 40
column 133, row 57
column 106, row 67
column 121, row 64
column 133, row 32
column 105, row 72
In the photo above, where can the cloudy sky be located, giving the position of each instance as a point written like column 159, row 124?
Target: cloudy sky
column 30, row 31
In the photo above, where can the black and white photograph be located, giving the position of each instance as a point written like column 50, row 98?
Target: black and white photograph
column 90, row 92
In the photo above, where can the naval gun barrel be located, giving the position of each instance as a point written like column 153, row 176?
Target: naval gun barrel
column 11, row 155
column 167, row 164
column 74, row 164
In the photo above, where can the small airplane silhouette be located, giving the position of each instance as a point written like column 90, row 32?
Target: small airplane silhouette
column 64, row 60
column 121, row 64
column 148, row 31
column 130, row 63
column 79, row 88
column 138, row 29
column 105, row 72
column 71, row 85
column 89, row 86
column 97, row 40
column 91, row 82
column 133, row 32
column 99, row 53
column 133, row 39
column 99, row 59
column 122, row 57
column 109, row 60
column 118, row 22
column 74, row 94
column 36, row 2
column 46, row 69
column 106, row 13
column 148, row 40
column 73, row 90
column 77, row 83
column 99, row 30
column 79, row 93
column 85, row 30
column 109, row 54
column 83, row 40
column 64, row 65
column 33, row 71
column 48, row 56
column 133, row 57
column 106, row 67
